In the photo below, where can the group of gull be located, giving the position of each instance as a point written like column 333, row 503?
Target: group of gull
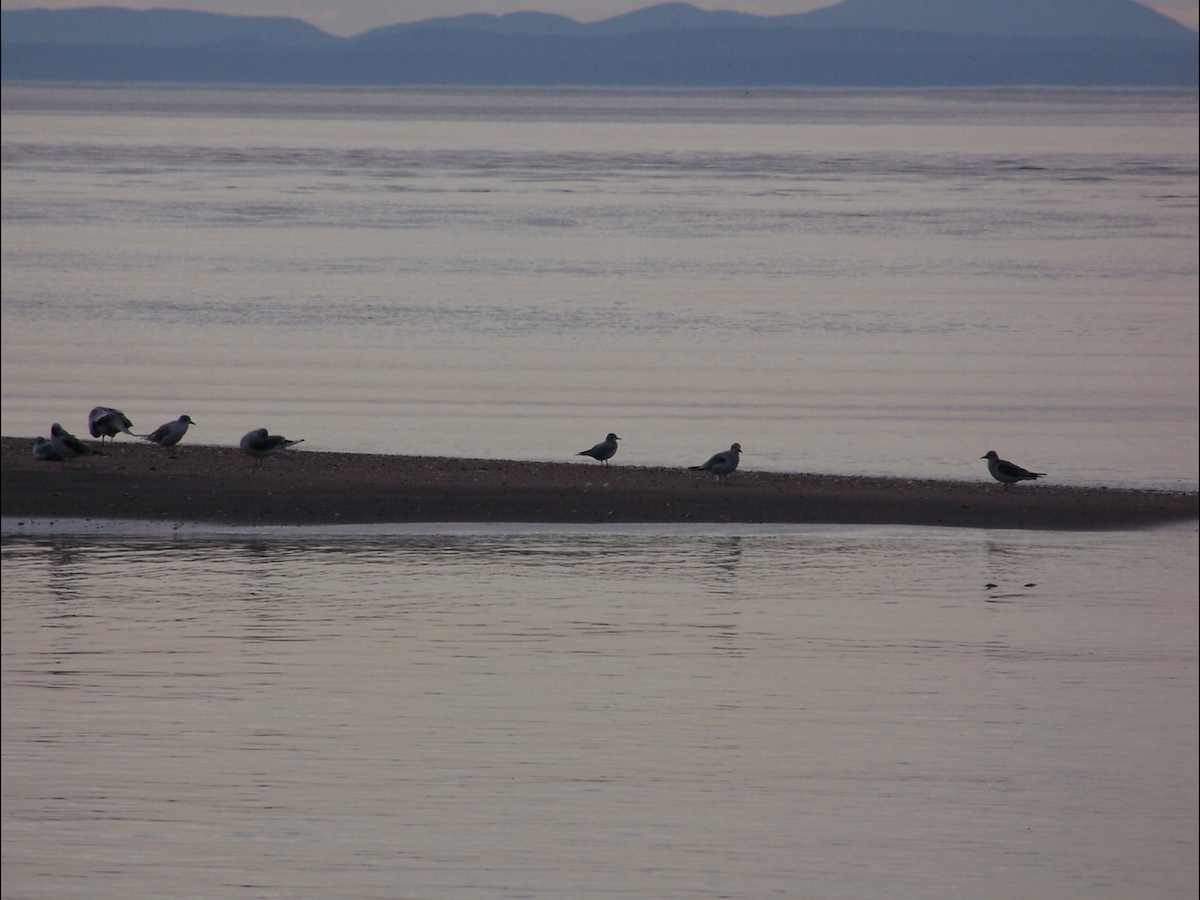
column 720, row 464
column 106, row 422
column 723, row 463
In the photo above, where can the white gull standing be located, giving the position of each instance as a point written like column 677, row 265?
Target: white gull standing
column 171, row 433
column 1008, row 473
column 721, row 464
column 603, row 451
column 260, row 443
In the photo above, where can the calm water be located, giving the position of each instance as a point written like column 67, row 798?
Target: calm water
column 822, row 713
column 843, row 282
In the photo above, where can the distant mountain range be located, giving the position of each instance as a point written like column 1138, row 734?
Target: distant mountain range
column 856, row 43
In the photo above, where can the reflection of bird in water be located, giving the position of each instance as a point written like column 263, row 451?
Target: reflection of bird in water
column 1008, row 473
column 603, row 451
column 67, row 446
column 44, row 451
column 721, row 464
column 260, row 443
column 103, row 421
column 171, row 433
column 727, row 558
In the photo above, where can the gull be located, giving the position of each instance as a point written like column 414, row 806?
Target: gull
column 44, row 451
column 67, row 446
column 171, row 433
column 259, row 443
column 1008, row 473
column 104, row 421
column 721, row 464
column 603, row 451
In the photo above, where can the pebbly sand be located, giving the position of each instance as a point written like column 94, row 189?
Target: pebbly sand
column 220, row 485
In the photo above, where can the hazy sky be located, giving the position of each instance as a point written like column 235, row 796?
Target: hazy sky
column 347, row 17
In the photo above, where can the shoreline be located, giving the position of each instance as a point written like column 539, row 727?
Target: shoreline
column 221, row 486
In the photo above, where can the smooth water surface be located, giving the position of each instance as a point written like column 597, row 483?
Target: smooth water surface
column 824, row 713
column 847, row 282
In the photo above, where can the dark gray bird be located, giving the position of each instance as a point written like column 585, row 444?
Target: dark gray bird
column 171, row 433
column 721, row 464
column 1008, row 473
column 603, row 451
column 260, row 443
column 104, row 421
column 67, row 446
column 44, row 451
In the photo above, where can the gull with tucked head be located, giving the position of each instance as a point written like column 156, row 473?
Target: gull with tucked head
column 260, row 443
column 67, row 446
column 44, row 451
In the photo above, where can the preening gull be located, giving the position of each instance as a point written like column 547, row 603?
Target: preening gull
column 1008, row 473
column 67, row 446
column 603, row 451
column 171, row 433
column 260, row 443
column 104, row 421
column 721, row 464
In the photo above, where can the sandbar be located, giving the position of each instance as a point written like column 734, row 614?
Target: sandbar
column 220, row 485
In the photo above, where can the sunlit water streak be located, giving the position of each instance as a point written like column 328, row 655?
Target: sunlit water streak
column 663, row 712
column 846, row 282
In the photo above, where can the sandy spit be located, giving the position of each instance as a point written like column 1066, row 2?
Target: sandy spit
column 220, row 485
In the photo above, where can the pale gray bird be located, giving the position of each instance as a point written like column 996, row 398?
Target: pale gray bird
column 721, row 464
column 171, row 433
column 1008, row 473
column 603, row 451
column 67, row 446
column 104, row 421
column 44, row 451
column 260, row 443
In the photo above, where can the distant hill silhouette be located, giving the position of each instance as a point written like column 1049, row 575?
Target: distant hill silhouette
column 858, row 43
column 1008, row 18
column 110, row 26
column 1026, row 18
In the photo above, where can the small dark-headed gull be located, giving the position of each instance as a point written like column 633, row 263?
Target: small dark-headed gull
column 103, row 421
column 44, row 451
column 171, row 433
column 259, row 443
column 67, row 446
column 603, row 451
column 721, row 464
column 1008, row 473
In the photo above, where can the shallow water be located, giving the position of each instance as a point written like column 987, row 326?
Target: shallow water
column 847, row 282
column 650, row 712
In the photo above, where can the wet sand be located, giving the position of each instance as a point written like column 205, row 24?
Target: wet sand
column 220, row 485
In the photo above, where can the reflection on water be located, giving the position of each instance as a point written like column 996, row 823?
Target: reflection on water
column 840, row 712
